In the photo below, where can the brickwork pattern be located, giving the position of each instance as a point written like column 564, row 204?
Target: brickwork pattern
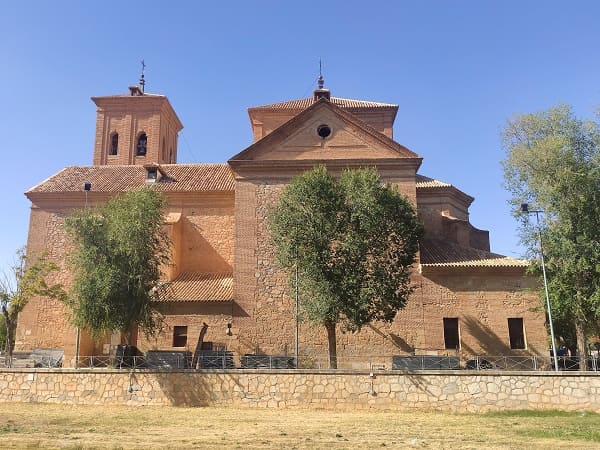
column 129, row 116
column 481, row 303
column 228, row 232
column 216, row 316
column 245, row 262
column 205, row 245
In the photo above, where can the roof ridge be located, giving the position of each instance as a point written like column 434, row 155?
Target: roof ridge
column 46, row 180
column 193, row 177
column 402, row 150
column 110, row 166
column 342, row 102
column 442, row 253
column 423, row 181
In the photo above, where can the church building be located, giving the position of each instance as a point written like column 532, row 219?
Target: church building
column 466, row 300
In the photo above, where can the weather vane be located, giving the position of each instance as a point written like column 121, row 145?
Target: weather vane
column 142, row 80
column 321, row 81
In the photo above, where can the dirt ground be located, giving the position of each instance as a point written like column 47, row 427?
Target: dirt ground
column 120, row 427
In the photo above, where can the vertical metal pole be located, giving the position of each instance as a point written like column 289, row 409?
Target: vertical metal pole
column 537, row 218
column 78, row 336
column 297, row 350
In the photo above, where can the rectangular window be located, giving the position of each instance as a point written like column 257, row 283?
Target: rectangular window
column 179, row 336
column 451, row 335
column 516, row 333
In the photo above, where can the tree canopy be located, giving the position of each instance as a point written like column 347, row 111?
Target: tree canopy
column 27, row 279
column 553, row 163
column 353, row 241
column 119, row 249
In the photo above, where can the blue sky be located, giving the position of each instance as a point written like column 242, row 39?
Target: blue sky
column 456, row 69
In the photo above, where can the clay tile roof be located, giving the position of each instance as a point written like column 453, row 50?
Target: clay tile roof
column 347, row 103
column 199, row 287
column 438, row 253
column 424, row 182
column 181, row 178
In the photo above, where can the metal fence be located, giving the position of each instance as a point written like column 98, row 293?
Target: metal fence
column 226, row 360
column 47, row 358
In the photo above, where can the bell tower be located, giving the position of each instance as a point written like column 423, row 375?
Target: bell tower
column 135, row 129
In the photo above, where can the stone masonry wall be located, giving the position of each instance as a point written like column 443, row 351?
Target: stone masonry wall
column 481, row 301
column 207, row 235
column 44, row 322
column 451, row 391
column 274, row 308
column 216, row 315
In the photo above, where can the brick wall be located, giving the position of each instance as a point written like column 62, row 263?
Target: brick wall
column 482, row 301
column 206, row 245
column 129, row 116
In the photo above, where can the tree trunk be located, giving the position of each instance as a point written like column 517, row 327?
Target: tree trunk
column 580, row 326
column 126, row 336
column 331, row 340
column 10, row 332
column 581, row 347
column 196, row 359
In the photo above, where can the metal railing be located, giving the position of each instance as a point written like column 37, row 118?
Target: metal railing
column 33, row 359
column 111, row 362
column 380, row 363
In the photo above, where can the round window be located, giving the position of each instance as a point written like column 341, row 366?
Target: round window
column 324, row 131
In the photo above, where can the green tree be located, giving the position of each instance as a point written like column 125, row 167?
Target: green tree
column 119, row 248
column 353, row 242
column 553, row 162
column 27, row 279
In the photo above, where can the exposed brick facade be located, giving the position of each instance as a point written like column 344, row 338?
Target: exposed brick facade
column 217, row 221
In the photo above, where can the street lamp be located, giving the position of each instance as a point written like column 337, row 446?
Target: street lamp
column 525, row 209
column 87, row 186
column 297, row 312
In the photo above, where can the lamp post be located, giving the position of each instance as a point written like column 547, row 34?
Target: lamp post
column 297, row 310
column 87, row 186
column 525, row 209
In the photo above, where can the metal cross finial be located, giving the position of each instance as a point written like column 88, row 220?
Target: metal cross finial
column 142, row 80
column 321, row 81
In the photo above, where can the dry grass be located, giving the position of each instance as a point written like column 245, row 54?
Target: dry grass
column 87, row 427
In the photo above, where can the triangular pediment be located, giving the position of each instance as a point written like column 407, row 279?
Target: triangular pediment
column 349, row 139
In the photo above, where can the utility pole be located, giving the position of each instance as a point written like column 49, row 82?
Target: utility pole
column 525, row 209
column 86, row 188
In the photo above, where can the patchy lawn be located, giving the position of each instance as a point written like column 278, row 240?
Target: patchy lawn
column 119, row 427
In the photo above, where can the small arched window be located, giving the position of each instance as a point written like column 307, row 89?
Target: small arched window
column 114, row 144
column 164, row 150
column 142, row 142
